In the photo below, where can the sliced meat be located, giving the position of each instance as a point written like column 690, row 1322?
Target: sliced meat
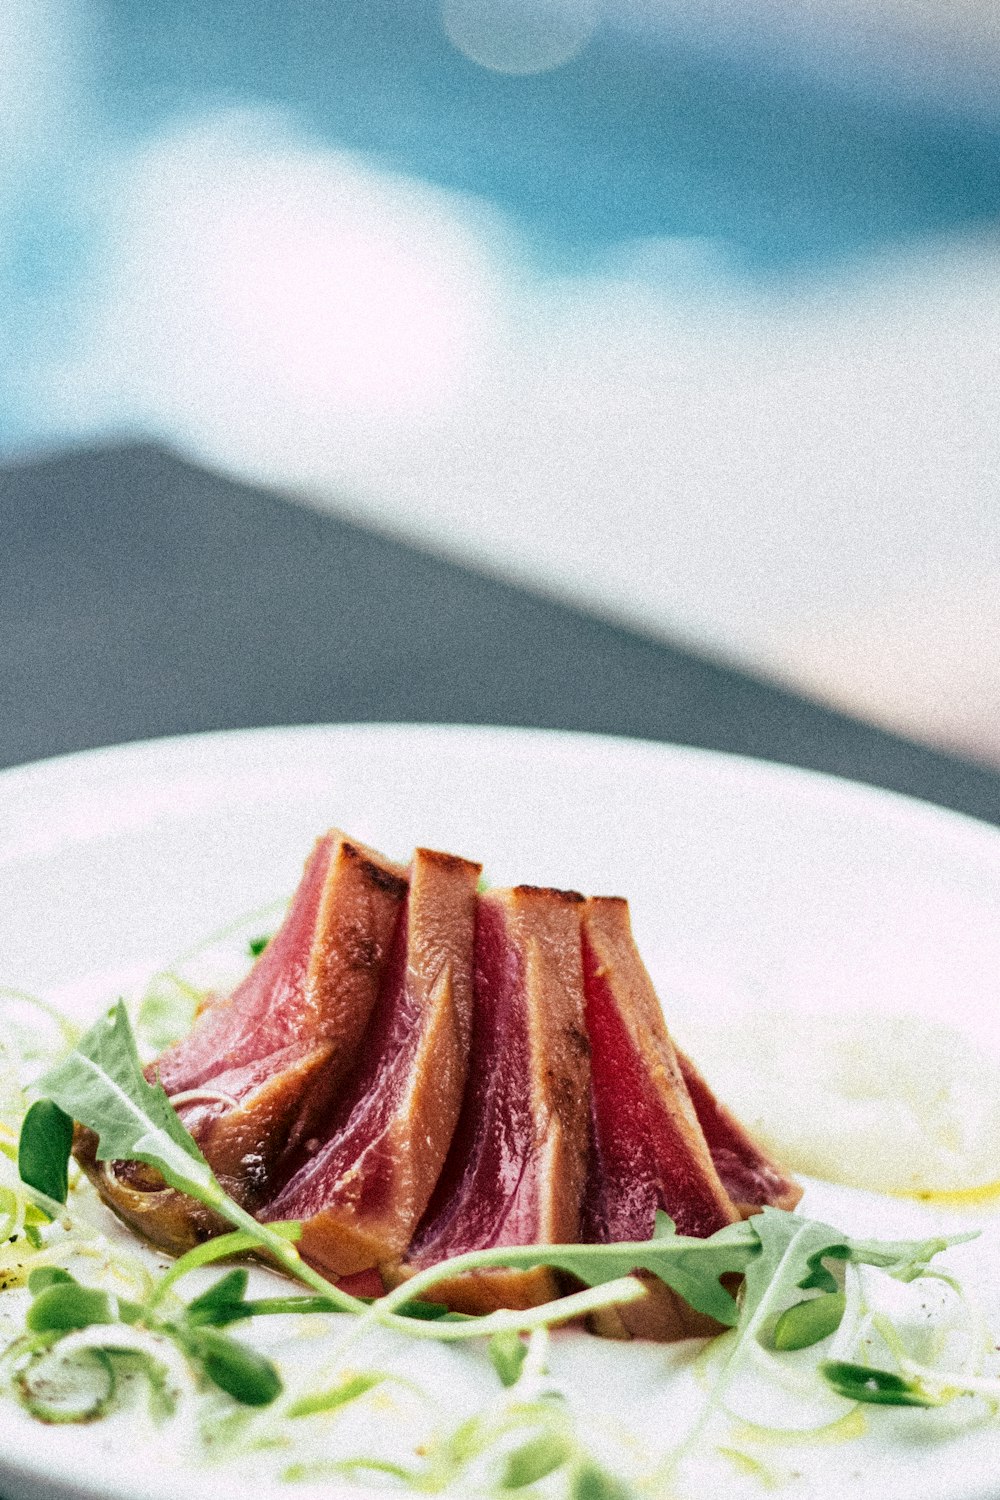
column 261, row 1068
column 751, row 1178
column 516, row 1168
column 365, row 1180
column 648, row 1151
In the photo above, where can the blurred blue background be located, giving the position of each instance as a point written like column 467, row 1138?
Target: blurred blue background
column 687, row 312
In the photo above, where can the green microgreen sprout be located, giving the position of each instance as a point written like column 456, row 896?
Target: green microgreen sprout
column 507, row 1352
column 809, row 1322
column 44, row 1148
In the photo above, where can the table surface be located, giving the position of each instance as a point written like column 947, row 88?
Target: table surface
column 142, row 596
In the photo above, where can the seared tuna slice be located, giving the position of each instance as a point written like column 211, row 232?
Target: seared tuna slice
column 261, row 1068
column 751, row 1178
column 660, row 1139
column 516, row 1169
column 647, row 1147
column 364, row 1181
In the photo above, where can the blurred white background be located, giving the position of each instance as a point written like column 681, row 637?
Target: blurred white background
column 792, row 465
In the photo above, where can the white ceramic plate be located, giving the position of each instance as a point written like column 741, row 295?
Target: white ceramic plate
column 750, row 885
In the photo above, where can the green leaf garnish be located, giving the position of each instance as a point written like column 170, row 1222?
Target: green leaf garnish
column 535, row 1459
column 102, row 1082
column 102, row 1085
column 806, row 1323
column 46, row 1276
column 591, row 1482
column 217, row 1304
column 239, row 1371
column 879, row 1387
column 507, row 1352
column 791, row 1258
column 44, row 1148
column 63, row 1305
column 341, row 1395
column 257, row 945
column 66, row 1305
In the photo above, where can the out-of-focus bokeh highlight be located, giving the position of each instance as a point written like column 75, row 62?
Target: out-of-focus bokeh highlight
column 688, row 312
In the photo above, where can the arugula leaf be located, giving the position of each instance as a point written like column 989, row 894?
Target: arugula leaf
column 43, row 1149
column 802, row 1246
column 791, row 1258
column 904, row 1260
column 692, row 1267
column 102, row 1085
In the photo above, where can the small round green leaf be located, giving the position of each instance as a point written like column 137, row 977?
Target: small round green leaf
column 591, row 1482
column 46, row 1276
column 44, row 1148
column 66, row 1305
column 508, row 1351
column 241, row 1372
column 533, row 1460
column 878, row 1387
column 809, row 1321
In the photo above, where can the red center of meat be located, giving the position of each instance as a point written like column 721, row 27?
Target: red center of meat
column 485, row 1195
column 639, row 1159
column 266, row 1013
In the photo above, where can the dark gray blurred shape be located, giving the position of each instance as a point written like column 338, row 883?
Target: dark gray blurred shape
column 142, row 596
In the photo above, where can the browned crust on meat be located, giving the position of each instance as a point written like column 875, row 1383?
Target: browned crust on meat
column 374, row 868
column 545, row 924
column 548, row 892
column 168, row 1219
column 241, row 1143
column 349, row 1237
column 661, row 1315
column 480, row 1292
column 358, row 911
column 357, row 917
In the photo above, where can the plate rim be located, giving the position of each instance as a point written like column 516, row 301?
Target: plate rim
column 142, row 754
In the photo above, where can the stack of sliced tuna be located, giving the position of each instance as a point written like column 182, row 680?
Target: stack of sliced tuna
column 414, row 1069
